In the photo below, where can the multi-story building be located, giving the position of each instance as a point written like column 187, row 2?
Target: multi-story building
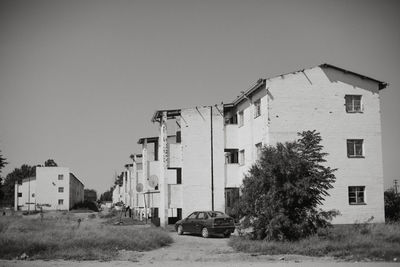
column 199, row 158
column 53, row 188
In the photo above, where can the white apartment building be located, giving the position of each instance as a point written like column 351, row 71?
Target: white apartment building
column 199, row 158
column 55, row 188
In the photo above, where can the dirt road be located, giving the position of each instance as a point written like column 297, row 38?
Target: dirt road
column 190, row 250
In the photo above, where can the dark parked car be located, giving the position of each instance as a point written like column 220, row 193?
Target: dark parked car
column 206, row 223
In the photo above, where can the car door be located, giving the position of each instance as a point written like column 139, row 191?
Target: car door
column 199, row 222
column 188, row 223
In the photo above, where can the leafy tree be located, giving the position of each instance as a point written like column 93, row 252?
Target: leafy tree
column 50, row 163
column 2, row 162
column 2, row 165
column 392, row 205
column 17, row 174
column 119, row 180
column 107, row 196
column 90, row 195
column 282, row 191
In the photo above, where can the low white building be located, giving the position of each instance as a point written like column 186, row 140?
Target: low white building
column 54, row 188
column 200, row 156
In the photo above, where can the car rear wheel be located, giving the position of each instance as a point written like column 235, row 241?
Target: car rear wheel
column 204, row 232
column 180, row 230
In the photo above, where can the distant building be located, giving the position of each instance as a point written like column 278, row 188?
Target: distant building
column 53, row 187
column 90, row 195
column 116, row 195
column 200, row 156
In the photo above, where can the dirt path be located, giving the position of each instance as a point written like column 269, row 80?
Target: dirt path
column 191, row 250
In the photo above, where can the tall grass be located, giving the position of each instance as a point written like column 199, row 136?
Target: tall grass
column 350, row 242
column 65, row 238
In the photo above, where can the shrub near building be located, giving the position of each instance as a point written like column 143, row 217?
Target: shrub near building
column 282, row 191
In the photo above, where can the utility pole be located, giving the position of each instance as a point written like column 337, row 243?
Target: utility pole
column 395, row 186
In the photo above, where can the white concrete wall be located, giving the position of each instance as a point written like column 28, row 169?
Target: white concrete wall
column 174, row 155
column 48, row 184
column 253, row 131
column 28, row 191
column 116, row 197
column 318, row 103
column 196, row 160
column 231, row 136
column 313, row 99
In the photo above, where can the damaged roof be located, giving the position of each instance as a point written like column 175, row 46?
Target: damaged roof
column 171, row 113
column 262, row 82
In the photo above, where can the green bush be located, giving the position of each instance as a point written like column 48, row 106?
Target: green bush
column 392, row 205
column 86, row 205
column 282, row 191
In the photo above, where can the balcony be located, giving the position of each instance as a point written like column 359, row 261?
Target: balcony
column 175, row 155
column 232, row 177
column 231, row 135
column 175, row 196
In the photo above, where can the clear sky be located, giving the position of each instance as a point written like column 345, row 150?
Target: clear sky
column 80, row 80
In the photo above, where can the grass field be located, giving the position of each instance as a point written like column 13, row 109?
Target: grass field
column 63, row 237
column 348, row 242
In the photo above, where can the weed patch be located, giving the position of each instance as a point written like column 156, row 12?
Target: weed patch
column 64, row 238
column 349, row 242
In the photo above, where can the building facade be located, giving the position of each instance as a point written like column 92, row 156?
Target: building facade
column 200, row 156
column 53, row 188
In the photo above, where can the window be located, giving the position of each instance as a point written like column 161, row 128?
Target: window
column 61, row 177
column 61, row 202
column 231, row 120
column 356, row 195
column 257, row 108
column 192, row 216
column 178, row 137
column 231, row 197
column 355, row 148
column 231, row 156
column 179, row 213
column 241, row 157
column 61, row 190
column 202, row 215
column 241, row 119
column 19, row 194
column 353, row 103
column 179, row 176
column 258, row 150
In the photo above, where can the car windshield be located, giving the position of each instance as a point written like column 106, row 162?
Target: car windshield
column 215, row 213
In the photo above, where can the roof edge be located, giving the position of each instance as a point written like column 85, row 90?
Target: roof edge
column 382, row 85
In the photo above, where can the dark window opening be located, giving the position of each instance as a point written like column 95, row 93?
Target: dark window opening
column 231, row 120
column 19, row 194
column 356, row 195
column 231, row 201
column 179, row 213
column 231, row 156
column 257, row 108
column 179, row 176
column 178, row 137
column 353, row 103
column 355, row 148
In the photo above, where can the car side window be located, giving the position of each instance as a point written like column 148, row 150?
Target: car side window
column 192, row 216
column 202, row 215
